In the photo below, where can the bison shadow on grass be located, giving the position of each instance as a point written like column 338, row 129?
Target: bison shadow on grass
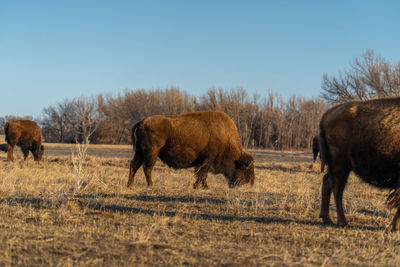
column 43, row 204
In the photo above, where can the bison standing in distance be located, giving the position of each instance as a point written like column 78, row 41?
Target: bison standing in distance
column 363, row 137
column 3, row 147
column 315, row 147
column 315, row 150
column 27, row 135
column 207, row 141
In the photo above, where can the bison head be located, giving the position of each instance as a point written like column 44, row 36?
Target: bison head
column 244, row 171
column 39, row 154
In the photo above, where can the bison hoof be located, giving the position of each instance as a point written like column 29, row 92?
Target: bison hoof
column 205, row 186
column 326, row 220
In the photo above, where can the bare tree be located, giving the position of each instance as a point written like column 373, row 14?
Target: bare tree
column 266, row 122
column 86, row 117
column 56, row 120
column 369, row 76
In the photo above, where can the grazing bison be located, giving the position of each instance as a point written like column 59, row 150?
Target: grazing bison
column 315, row 149
column 25, row 134
column 207, row 141
column 363, row 137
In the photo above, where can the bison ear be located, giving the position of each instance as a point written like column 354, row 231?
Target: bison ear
column 244, row 161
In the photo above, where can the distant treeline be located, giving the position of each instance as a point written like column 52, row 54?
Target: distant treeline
column 263, row 122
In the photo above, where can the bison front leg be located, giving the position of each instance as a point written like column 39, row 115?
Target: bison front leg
column 325, row 200
column 26, row 153
column 396, row 221
column 10, row 153
column 136, row 162
column 149, row 162
column 201, row 175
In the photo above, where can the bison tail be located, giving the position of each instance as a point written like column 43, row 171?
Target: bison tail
column 393, row 199
column 134, row 131
column 324, row 151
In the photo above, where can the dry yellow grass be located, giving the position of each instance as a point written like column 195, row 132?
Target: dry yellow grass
column 45, row 220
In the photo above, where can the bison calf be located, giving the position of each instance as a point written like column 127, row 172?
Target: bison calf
column 207, row 141
column 363, row 137
column 27, row 135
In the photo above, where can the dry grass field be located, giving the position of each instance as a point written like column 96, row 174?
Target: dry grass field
column 48, row 216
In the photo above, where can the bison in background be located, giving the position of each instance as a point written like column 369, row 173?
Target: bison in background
column 315, row 147
column 207, row 141
column 3, row 147
column 363, row 137
column 315, row 150
column 27, row 135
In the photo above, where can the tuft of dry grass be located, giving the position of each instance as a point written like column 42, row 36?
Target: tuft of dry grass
column 45, row 221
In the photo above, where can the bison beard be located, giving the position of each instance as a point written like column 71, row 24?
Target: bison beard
column 207, row 141
column 363, row 137
column 27, row 135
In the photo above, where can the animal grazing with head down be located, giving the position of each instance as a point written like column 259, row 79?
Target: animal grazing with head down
column 363, row 137
column 208, row 141
column 27, row 135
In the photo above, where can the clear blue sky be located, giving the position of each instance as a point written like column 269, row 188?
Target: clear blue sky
column 52, row 50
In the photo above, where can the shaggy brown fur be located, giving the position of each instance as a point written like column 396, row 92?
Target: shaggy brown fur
column 27, row 135
column 363, row 137
column 207, row 141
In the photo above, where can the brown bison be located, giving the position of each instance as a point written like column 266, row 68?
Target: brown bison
column 25, row 134
column 315, row 150
column 363, row 137
column 207, row 141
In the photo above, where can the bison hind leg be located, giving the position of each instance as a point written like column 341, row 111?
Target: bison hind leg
column 136, row 162
column 393, row 201
column 396, row 221
column 10, row 153
column 201, row 175
column 150, row 159
column 326, row 196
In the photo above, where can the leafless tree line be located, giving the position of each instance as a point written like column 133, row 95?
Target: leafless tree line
column 263, row 122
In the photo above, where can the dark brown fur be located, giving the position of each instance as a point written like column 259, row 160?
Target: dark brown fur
column 3, row 147
column 363, row 137
column 207, row 141
column 27, row 135
column 315, row 147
